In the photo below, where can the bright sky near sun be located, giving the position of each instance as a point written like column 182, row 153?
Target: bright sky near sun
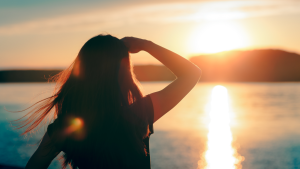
column 49, row 34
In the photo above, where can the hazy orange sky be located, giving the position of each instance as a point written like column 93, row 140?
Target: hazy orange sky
column 49, row 34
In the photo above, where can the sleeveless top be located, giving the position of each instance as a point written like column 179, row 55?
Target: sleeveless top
column 142, row 109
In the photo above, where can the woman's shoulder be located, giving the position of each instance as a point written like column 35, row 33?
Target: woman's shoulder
column 141, row 113
column 143, row 108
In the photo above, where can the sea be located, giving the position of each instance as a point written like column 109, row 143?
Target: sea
column 216, row 126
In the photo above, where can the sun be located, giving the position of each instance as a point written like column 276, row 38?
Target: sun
column 216, row 37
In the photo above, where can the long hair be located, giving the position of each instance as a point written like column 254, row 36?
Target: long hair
column 90, row 90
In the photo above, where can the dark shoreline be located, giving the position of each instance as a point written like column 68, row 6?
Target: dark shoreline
column 260, row 65
column 143, row 73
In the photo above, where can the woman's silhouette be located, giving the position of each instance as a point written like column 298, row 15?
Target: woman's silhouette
column 100, row 118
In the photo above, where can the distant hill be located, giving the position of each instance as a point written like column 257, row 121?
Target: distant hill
column 249, row 66
column 264, row 65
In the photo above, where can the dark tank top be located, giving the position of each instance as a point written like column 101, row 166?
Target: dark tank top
column 141, row 109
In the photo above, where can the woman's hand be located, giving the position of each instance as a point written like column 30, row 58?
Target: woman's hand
column 133, row 44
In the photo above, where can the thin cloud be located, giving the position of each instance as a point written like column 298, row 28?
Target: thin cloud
column 154, row 13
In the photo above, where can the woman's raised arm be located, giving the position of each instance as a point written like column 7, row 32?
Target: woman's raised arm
column 186, row 72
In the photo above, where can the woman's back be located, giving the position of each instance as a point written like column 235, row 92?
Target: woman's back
column 114, row 148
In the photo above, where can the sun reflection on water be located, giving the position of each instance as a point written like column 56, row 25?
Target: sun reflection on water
column 220, row 153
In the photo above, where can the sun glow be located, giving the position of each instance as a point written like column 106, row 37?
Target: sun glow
column 217, row 37
column 220, row 153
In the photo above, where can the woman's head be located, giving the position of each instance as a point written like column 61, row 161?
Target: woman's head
column 104, row 62
column 99, row 56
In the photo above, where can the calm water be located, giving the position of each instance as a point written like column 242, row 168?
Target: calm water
column 239, row 125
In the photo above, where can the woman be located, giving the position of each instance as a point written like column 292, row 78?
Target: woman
column 101, row 118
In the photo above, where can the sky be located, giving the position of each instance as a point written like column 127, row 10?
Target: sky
column 40, row 34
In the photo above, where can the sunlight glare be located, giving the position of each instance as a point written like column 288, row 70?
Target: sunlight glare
column 220, row 153
column 216, row 37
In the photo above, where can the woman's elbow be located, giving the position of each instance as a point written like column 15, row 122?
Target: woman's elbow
column 192, row 72
column 194, row 75
column 197, row 73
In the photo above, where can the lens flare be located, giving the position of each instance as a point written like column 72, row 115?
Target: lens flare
column 76, row 124
column 220, row 153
